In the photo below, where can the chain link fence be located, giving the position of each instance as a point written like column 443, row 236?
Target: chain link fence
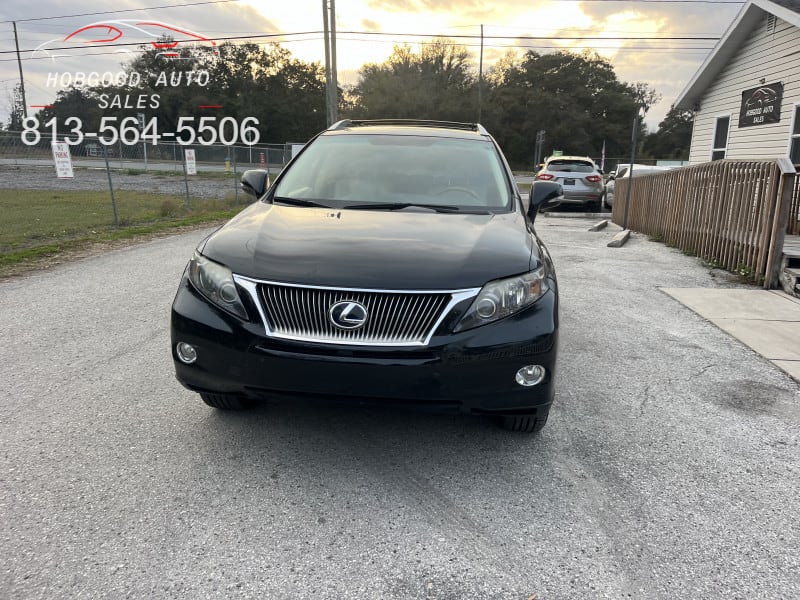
column 35, row 148
column 27, row 162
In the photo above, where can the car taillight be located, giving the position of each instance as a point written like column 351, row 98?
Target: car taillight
column 593, row 178
column 544, row 176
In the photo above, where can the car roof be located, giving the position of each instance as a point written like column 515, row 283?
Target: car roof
column 416, row 127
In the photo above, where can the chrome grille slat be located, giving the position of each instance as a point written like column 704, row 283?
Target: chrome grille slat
column 412, row 308
column 394, row 317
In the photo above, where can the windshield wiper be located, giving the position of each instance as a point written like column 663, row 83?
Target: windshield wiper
column 298, row 202
column 402, row 205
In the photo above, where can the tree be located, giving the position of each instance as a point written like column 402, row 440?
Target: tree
column 673, row 138
column 16, row 109
column 436, row 83
column 78, row 102
column 576, row 98
column 247, row 80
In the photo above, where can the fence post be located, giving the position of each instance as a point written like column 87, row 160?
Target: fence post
column 235, row 177
column 783, row 204
column 110, row 185
column 186, row 178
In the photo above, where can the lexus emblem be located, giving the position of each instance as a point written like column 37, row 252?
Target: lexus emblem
column 348, row 314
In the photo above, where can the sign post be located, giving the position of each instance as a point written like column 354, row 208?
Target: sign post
column 191, row 165
column 186, row 155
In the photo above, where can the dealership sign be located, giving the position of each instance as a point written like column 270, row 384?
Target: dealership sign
column 761, row 105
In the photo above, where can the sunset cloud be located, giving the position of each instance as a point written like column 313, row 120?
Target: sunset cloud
column 508, row 24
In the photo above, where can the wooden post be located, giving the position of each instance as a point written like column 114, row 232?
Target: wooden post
column 784, row 202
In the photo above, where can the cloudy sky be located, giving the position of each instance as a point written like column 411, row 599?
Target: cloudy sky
column 628, row 33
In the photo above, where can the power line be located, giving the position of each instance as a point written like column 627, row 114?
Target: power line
column 539, row 37
column 140, row 43
column 113, row 12
column 686, row 49
column 402, row 35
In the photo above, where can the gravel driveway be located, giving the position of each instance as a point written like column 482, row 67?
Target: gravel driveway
column 669, row 467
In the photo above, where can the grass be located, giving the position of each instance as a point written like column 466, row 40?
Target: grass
column 38, row 225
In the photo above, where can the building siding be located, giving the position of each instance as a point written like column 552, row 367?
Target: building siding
column 771, row 55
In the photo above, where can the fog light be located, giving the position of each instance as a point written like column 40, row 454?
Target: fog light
column 188, row 353
column 530, row 375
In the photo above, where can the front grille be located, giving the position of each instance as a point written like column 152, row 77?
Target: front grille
column 393, row 318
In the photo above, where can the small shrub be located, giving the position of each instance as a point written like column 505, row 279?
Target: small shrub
column 744, row 270
column 170, row 208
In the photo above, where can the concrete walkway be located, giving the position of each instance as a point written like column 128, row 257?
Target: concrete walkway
column 766, row 321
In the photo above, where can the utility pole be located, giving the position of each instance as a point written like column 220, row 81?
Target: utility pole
column 21, row 78
column 537, row 152
column 334, row 73
column 327, row 38
column 634, row 136
column 480, row 80
column 331, row 83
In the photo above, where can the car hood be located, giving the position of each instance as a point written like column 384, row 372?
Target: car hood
column 372, row 249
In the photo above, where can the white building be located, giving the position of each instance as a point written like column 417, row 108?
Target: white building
column 746, row 95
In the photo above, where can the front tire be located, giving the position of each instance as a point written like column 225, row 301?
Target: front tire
column 226, row 401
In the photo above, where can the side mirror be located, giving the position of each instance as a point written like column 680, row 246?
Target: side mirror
column 255, row 182
column 544, row 194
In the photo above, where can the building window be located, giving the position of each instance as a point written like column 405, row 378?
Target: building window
column 720, row 138
column 794, row 146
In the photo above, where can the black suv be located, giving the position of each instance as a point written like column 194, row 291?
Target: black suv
column 390, row 261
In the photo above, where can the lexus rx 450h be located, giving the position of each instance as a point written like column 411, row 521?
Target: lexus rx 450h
column 390, row 261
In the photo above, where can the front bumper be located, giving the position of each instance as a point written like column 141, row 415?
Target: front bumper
column 472, row 371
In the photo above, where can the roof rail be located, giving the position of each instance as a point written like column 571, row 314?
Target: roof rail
column 410, row 123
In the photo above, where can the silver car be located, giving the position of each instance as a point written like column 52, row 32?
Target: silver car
column 580, row 178
column 623, row 172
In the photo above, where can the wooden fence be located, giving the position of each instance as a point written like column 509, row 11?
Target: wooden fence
column 793, row 226
column 733, row 214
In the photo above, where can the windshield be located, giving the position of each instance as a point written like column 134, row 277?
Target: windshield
column 397, row 172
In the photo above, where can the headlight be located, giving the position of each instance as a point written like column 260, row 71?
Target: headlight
column 215, row 282
column 499, row 299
